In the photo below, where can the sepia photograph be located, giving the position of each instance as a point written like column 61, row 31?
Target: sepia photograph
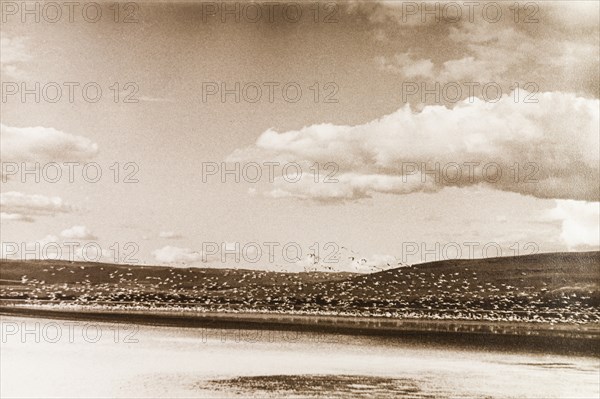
column 300, row 199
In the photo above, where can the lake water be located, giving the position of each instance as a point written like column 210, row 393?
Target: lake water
column 48, row 358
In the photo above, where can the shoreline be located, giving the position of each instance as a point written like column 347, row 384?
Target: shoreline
column 569, row 339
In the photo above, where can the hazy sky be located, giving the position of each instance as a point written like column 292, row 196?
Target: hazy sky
column 366, row 124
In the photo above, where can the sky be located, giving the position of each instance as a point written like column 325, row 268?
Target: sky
column 162, row 98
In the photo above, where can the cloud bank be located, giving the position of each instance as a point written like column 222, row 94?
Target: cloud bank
column 26, row 207
column 38, row 144
column 580, row 230
column 78, row 233
column 548, row 149
column 170, row 254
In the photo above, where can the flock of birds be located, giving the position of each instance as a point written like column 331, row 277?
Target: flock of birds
column 408, row 292
column 354, row 263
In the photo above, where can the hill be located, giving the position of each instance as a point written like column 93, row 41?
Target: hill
column 552, row 286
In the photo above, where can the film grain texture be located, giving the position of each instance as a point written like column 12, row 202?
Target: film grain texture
column 304, row 199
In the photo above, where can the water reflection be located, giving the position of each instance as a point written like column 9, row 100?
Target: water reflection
column 192, row 362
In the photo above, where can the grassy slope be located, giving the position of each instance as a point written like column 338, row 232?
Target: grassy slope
column 58, row 271
column 556, row 282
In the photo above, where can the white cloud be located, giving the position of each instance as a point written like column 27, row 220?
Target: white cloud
column 78, row 233
column 170, row 235
column 555, row 142
column 14, row 55
column 31, row 144
column 407, row 65
column 350, row 186
column 154, row 99
column 15, row 217
column 25, row 207
column 93, row 253
column 580, row 223
column 560, row 54
column 49, row 247
column 44, row 248
column 171, row 254
column 49, row 239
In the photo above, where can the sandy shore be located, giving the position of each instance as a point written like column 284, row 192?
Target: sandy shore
column 510, row 336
